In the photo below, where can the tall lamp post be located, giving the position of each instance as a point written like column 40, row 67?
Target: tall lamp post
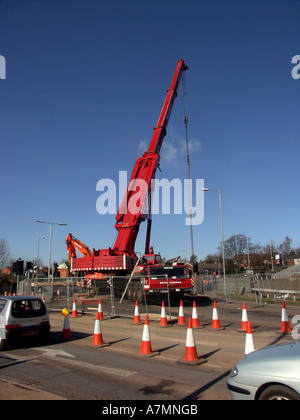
column 50, row 242
column 37, row 259
column 223, row 252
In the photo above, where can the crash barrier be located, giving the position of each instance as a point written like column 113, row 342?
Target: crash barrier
column 277, row 293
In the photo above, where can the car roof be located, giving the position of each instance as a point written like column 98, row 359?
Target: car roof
column 18, row 297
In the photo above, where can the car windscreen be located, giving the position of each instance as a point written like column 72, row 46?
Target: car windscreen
column 178, row 272
column 28, row 308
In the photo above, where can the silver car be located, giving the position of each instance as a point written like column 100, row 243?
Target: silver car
column 272, row 373
column 22, row 317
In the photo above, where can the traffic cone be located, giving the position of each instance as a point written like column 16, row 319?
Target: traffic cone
column 181, row 319
column 136, row 319
column 190, row 349
column 249, row 345
column 163, row 318
column 146, row 341
column 191, row 356
column 244, row 318
column 100, row 309
column 195, row 320
column 285, row 325
column 74, row 310
column 66, row 334
column 98, row 340
column 215, row 319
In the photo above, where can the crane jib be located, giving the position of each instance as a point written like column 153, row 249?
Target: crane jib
column 128, row 222
column 122, row 257
column 161, row 127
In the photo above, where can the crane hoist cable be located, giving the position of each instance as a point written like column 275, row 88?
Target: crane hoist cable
column 185, row 119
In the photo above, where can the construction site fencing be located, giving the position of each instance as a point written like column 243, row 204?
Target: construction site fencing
column 59, row 293
column 212, row 285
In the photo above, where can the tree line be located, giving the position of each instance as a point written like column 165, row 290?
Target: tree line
column 237, row 247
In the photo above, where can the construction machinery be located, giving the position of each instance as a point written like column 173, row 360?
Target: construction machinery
column 147, row 274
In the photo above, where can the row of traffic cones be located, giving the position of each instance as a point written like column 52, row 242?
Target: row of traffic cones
column 285, row 325
column 246, row 326
column 181, row 318
column 66, row 334
column 191, row 356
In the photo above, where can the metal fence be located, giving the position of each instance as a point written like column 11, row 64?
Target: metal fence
column 59, row 293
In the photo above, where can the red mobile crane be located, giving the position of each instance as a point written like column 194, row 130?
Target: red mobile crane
column 121, row 258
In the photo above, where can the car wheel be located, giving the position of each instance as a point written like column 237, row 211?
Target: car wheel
column 2, row 344
column 279, row 392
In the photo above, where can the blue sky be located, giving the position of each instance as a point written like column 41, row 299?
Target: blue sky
column 85, row 83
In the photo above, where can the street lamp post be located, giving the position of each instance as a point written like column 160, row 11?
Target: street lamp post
column 37, row 259
column 50, row 242
column 222, row 233
column 271, row 252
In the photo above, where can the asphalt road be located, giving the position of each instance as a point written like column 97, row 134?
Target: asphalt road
column 77, row 370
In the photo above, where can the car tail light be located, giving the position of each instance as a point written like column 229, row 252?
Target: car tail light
column 12, row 326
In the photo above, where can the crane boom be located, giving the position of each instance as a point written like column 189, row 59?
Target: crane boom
column 121, row 257
column 128, row 217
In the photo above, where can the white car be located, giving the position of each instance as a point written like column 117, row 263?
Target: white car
column 22, row 317
column 272, row 373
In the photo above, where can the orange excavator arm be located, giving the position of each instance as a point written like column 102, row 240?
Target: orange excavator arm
column 73, row 243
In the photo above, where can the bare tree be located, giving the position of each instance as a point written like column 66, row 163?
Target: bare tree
column 285, row 248
column 235, row 247
column 4, row 254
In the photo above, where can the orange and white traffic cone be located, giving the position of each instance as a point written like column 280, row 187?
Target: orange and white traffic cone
column 98, row 339
column 181, row 318
column 285, row 325
column 195, row 320
column 58, row 295
column 100, row 309
column 190, row 349
column 215, row 318
column 74, row 310
column 191, row 356
column 249, row 344
column 136, row 319
column 146, row 340
column 66, row 334
column 244, row 318
column 163, row 318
